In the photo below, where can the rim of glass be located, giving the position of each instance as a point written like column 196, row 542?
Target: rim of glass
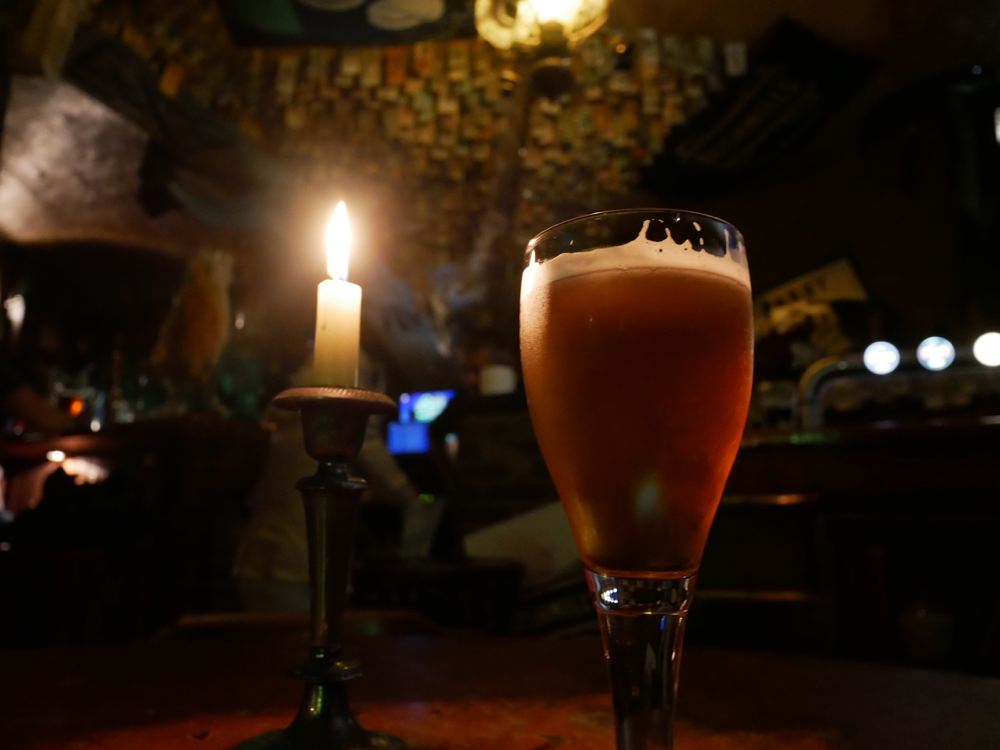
column 619, row 211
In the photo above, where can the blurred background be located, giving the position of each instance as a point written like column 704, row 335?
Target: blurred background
column 166, row 173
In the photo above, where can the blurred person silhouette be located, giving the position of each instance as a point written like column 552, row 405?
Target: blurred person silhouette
column 272, row 567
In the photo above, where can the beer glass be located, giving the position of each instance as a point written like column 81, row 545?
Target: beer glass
column 637, row 348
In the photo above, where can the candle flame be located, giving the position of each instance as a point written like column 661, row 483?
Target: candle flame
column 338, row 243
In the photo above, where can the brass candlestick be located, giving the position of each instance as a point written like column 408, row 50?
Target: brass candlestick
column 333, row 425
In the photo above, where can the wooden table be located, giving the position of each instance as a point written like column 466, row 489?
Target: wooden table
column 210, row 688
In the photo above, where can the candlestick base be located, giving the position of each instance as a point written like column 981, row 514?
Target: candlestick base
column 279, row 740
column 324, row 722
column 333, row 425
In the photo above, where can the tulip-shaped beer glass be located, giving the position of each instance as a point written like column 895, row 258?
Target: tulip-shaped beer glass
column 637, row 346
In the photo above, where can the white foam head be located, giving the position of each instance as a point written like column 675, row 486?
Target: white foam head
column 639, row 253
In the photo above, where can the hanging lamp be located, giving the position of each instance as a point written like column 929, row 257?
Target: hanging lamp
column 550, row 28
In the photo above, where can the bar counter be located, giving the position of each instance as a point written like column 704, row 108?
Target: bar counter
column 214, row 684
column 869, row 461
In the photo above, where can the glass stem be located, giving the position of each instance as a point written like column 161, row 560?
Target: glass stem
column 642, row 622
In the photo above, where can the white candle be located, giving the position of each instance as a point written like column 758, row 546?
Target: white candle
column 338, row 310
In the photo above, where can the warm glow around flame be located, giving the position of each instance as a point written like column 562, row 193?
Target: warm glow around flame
column 338, row 243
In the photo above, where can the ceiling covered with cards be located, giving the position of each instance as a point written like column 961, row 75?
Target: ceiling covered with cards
column 251, row 103
column 427, row 116
column 430, row 132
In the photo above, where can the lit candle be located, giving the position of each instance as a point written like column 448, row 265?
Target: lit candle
column 338, row 310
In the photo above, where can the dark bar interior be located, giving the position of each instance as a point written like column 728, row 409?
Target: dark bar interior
column 238, row 511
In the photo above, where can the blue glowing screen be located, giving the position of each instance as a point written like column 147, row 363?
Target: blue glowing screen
column 416, row 411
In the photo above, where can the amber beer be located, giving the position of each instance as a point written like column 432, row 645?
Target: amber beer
column 638, row 380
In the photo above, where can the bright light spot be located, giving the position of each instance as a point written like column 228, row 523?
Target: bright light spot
column 338, row 243
column 881, row 358
column 429, row 405
column 240, row 321
column 451, row 446
column 986, row 350
column 528, row 277
column 85, row 470
column 610, row 596
column 996, row 123
column 95, row 425
column 497, row 380
column 76, row 407
column 16, row 308
column 935, row 353
column 562, row 11
column 56, row 456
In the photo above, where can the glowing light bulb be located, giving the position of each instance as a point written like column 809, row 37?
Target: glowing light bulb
column 510, row 23
column 986, row 350
column 562, row 11
column 935, row 353
column 56, row 456
column 881, row 358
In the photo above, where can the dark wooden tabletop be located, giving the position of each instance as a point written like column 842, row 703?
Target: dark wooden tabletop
column 210, row 687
